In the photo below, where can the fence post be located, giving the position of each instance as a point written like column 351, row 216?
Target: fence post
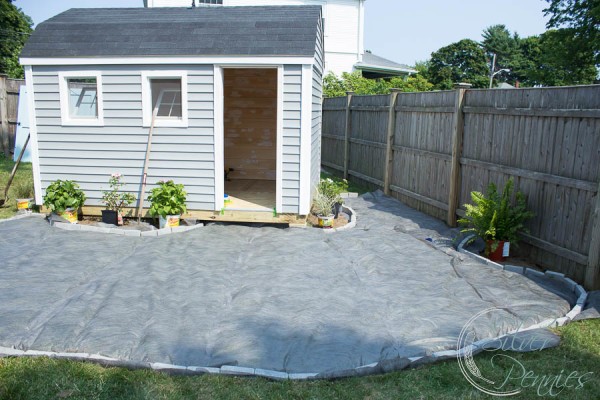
column 347, row 133
column 592, row 274
column 389, row 153
column 458, row 127
column 4, row 136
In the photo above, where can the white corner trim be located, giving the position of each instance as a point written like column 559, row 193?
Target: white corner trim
column 168, row 60
column 305, row 139
column 279, row 140
column 147, row 75
column 63, row 87
column 219, row 132
column 33, row 139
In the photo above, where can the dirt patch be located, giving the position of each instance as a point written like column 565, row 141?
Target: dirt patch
column 340, row 221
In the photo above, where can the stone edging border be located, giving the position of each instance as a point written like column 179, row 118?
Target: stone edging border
column 125, row 232
column 351, row 223
column 384, row 366
column 579, row 291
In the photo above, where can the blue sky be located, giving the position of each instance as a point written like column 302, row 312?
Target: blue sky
column 401, row 30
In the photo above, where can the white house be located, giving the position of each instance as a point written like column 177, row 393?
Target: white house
column 344, row 33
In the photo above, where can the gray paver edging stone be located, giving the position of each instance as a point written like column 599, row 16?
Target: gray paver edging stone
column 572, row 285
column 124, row 232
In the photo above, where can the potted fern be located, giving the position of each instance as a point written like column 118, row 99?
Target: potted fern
column 64, row 198
column 497, row 220
column 168, row 202
column 115, row 201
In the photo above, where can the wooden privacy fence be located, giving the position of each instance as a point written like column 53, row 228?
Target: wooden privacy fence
column 431, row 149
column 9, row 101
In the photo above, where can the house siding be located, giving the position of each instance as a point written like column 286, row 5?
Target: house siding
column 88, row 155
column 317, row 96
column 292, row 96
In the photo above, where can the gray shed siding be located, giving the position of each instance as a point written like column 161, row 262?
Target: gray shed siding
column 317, row 98
column 292, row 105
column 89, row 155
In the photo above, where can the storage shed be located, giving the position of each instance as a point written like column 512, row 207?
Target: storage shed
column 236, row 91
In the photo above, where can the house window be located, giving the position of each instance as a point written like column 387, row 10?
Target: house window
column 81, row 98
column 164, row 96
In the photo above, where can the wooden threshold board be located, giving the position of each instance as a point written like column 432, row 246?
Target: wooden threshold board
column 250, row 195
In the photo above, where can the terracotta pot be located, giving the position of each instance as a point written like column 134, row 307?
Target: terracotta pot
column 499, row 254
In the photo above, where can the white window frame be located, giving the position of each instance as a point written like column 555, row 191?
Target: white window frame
column 147, row 99
column 63, row 83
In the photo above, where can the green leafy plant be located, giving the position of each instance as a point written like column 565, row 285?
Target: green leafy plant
column 112, row 198
column 493, row 217
column 333, row 189
column 168, row 199
column 61, row 195
column 323, row 204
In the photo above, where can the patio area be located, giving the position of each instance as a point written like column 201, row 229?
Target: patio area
column 292, row 300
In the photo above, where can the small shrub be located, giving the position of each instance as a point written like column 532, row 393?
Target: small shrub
column 493, row 217
column 61, row 195
column 333, row 189
column 168, row 199
column 323, row 204
column 112, row 198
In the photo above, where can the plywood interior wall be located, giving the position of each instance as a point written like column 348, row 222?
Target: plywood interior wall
column 250, row 121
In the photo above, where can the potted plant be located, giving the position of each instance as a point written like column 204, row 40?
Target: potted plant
column 64, row 199
column 322, row 208
column 115, row 201
column 497, row 220
column 168, row 202
column 333, row 189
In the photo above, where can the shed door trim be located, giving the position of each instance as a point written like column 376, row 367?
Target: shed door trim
column 220, row 134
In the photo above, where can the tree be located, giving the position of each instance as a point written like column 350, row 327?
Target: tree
column 15, row 28
column 498, row 40
column 559, row 61
column 583, row 19
column 463, row 61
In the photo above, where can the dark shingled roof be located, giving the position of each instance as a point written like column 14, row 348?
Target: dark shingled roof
column 200, row 31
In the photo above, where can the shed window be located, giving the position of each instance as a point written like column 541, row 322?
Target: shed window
column 165, row 92
column 166, row 98
column 81, row 98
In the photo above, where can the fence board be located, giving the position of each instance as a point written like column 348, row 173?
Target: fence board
column 547, row 140
column 9, row 104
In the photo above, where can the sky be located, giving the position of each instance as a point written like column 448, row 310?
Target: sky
column 405, row 31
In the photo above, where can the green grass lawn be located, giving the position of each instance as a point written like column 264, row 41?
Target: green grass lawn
column 44, row 378
column 21, row 187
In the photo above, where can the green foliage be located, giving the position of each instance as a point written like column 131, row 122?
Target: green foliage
column 15, row 27
column 334, row 86
column 323, row 204
column 463, row 61
column 61, row 195
column 168, row 199
column 498, row 40
column 561, row 61
column 333, row 188
column 112, row 198
column 494, row 217
column 583, row 19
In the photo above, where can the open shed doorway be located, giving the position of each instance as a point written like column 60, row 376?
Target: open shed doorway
column 250, row 138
